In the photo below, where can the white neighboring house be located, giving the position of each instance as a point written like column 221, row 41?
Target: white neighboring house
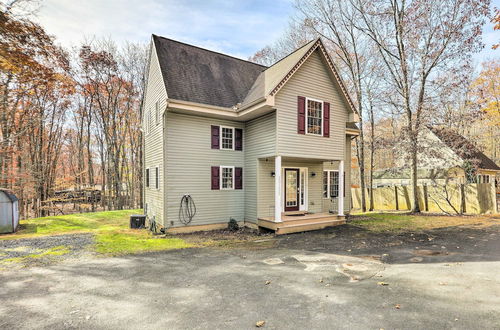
column 443, row 157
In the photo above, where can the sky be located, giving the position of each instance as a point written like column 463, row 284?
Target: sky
column 238, row 28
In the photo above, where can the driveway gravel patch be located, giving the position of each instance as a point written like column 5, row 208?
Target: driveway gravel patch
column 43, row 250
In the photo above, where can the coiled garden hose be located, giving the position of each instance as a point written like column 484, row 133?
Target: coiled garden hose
column 187, row 209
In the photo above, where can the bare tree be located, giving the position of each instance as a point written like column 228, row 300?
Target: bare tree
column 416, row 40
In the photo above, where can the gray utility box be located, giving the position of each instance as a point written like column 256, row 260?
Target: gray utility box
column 137, row 221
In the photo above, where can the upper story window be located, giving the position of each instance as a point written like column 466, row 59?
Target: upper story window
column 314, row 117
column 227, row 138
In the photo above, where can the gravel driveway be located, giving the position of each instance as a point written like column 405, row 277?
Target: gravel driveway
column 36, row 251
column 335, row 279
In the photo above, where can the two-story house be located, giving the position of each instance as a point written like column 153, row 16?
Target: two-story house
column 261, row 145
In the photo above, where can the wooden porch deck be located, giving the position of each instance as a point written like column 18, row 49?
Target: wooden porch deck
column 293, row 223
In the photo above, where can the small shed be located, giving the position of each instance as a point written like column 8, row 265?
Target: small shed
column 9, row 212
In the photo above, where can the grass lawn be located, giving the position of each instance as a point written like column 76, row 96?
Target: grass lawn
column 400, row 222
column 111, row 229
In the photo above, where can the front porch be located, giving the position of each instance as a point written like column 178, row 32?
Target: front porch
column 299, row 222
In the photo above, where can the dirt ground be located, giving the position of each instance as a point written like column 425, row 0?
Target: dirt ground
column 344, row 277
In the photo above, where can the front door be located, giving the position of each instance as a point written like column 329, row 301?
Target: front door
column 292, row 179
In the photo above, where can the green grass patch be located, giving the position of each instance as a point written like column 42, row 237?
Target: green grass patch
column 81, row 222
column 400, row 222
column 111, row 230
column 123, row 243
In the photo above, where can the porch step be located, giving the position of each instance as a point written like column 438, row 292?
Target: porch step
column 295, row 224
column 294, row 213
column 297, row 228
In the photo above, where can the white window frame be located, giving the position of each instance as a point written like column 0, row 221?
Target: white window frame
column 328, row 184
column 307, row 115
column 222, row 175
column 220, row 138
column 157, row 177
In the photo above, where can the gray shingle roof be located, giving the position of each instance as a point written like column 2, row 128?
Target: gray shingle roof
column 199, row 75
column 464, row 148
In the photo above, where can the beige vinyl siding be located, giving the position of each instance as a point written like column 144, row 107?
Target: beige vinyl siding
column 265, row 182
column 328, row 204
column 314, row 80
column 188, row 168
column 260, row 141
column 153, row 140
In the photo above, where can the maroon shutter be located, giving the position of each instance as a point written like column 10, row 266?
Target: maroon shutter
column 301, row 115
column 215, row 177
column 326, row 119
column 215, row 137
column 238, row 141
column 238, row 178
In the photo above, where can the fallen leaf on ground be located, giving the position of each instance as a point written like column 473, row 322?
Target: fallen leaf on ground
column 260, row 324
column 383, row 283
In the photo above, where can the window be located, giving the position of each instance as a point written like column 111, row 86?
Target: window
column 330, row 184
column 483, row 178
column 227, row 138
column 157, row 112
column 157, row 178
column 227, row 177
column 147, row 178
column 314, row 117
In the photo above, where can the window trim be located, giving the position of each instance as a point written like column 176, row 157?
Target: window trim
column 157, row 177
column 147, row 177
column 221, row 146
column 221, row 175
column 307, row 116
column 328, row 184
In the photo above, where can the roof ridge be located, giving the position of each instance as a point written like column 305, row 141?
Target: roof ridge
column 211, row 51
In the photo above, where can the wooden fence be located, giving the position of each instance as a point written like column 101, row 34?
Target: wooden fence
column 477, row 198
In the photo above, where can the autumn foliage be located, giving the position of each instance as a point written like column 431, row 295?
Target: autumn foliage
column 69, row 122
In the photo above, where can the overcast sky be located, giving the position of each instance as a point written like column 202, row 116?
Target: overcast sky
column 238, row 28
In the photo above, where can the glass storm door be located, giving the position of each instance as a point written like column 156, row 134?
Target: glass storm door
column 291, row 189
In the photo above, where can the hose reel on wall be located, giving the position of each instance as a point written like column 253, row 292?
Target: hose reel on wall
column 187, row 209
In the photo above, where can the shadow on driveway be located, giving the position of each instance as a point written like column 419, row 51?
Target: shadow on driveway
column 452, row 244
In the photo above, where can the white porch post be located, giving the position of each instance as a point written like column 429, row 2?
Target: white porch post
column 341, row 189
column 277, row 189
